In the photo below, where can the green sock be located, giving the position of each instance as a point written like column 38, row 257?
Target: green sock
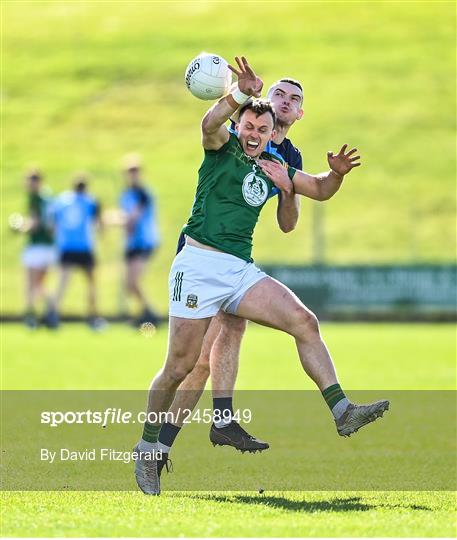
column 333, row 394
column 151, row 432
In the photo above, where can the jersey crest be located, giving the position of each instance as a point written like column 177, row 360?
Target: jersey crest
column 255, row 189
column 192, row 301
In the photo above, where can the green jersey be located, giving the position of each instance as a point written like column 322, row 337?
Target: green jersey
column 41, row 234
column 232, row 190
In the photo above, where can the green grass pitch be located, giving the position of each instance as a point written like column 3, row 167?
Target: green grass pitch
column 367, row 357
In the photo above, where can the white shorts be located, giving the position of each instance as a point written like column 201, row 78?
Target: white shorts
column 39, row 256
column 202, row 282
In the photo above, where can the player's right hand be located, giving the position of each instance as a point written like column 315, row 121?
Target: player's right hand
column 248, row 82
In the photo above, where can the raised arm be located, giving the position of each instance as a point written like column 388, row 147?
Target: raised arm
column 319, row 187
column 214, row 131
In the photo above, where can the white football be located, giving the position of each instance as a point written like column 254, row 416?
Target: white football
column 208, row 76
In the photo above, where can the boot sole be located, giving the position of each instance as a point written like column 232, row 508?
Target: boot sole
column 242, row 450
column 225, row 441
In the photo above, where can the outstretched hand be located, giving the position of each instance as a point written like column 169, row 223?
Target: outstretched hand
column 277, row 173
column 343, row 162
column 248, row 82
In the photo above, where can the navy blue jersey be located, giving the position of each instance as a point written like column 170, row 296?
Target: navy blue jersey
column 290, row 154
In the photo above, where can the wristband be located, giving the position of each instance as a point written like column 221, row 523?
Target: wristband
column 291, row 171
column 239, row 97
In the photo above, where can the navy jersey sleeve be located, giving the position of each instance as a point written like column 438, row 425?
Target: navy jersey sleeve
column 290, row 154
column 297, row 162
column 294, row 158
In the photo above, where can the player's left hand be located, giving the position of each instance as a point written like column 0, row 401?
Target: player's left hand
column 277, row 173
column 343, row 162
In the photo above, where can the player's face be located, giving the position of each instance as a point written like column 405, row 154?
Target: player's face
column 287, row 101
column 133, row 175
column 254, row 132
column 33, row 184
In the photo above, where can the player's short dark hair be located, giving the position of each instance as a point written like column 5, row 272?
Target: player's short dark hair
column 291, row 81
column 34, row 174
column 80, row 183
column 258, row 107
column 286, row 80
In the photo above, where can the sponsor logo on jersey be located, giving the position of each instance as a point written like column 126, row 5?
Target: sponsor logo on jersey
column 192, row 301
column 255, row 189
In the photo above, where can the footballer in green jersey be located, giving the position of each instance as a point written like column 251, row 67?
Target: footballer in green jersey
column 39, row 254
column 205, row 277
column 231, row 192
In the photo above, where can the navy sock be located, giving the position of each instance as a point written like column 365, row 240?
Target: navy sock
column 167, row 436
column 223, row 408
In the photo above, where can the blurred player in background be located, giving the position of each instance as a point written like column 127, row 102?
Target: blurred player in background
column 39, row 254
column 142, row 236
column 221, row 347
column 74, row 215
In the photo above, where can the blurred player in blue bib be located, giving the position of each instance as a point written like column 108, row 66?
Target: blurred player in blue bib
column 141, row 233
column 74, row 216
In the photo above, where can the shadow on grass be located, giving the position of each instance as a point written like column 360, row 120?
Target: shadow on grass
column 347, row 504
column 336, row 505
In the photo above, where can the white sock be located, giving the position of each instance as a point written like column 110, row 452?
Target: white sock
column 340, row 408
column 146, row 446
column 164, row 448
column 223, row 422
